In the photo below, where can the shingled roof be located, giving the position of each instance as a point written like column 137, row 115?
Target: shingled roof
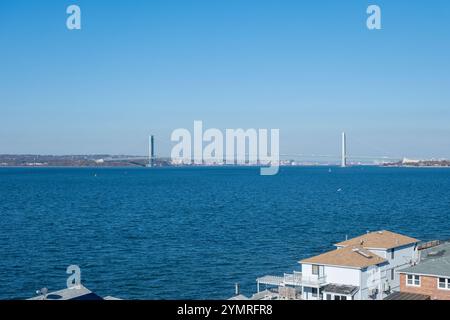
column 351, row 256
column 379, row 240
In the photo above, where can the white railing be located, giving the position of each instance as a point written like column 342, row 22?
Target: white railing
column 293, row 279
column 298, row 279
column 270, row 280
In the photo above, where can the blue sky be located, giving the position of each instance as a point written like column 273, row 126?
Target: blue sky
column 310, row 68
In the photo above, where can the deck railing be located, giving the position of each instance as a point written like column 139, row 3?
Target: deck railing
column 293, row 279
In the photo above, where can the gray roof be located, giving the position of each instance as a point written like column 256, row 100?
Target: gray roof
column 434, row 261
column 239, row 297
column 340, row 289
column 76, row 293
column 441, row 250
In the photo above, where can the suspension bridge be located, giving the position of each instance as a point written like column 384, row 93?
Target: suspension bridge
column 344, row 159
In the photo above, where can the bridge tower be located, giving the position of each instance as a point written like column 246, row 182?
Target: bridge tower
column 151, row 151
column 344, row 151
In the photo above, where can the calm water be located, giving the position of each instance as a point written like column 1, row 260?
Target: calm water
column 192, row 233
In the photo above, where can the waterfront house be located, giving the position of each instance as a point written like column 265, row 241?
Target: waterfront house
column 431, row 276
column 361, row 268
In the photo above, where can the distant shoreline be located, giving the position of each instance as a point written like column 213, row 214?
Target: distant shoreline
column 212, row 166
column 418, row 167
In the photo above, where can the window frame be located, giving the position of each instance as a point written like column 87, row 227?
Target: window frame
column 446, row 283
column 315, row 267
column 413, row 280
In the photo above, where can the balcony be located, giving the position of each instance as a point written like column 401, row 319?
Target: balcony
column 296, row 279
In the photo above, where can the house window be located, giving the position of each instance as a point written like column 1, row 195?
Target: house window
column 314, row 292
column 413, row 280
column 393, row 253
column 444, row 283
column 392, row 274
column 315, row 270
column 328, row 296
column 337, row 297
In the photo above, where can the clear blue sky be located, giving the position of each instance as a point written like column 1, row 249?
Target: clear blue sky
column 310, row 68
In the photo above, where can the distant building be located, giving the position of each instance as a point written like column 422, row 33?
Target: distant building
column 407, row 161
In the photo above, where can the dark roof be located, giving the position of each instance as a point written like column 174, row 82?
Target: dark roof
column 407, row 296
column 340, row 289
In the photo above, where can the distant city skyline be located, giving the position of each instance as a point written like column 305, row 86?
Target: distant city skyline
column 313, row 70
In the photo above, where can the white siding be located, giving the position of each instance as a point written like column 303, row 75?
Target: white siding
column 307, row 270
column 341, row 275
column 402, row 259
column 372, row 278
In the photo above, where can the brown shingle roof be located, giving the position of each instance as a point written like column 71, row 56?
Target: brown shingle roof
column 351, row 256
column 379, row 240
column 407, row 296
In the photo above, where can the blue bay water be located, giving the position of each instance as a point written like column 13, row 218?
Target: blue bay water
column 191, row 233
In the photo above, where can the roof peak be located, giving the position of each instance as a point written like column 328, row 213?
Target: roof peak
column 382, row 239
column 350, row 256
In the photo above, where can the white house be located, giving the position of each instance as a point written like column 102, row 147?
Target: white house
column 361, row 268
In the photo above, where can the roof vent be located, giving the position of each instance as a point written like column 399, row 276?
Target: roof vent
column 364, row 254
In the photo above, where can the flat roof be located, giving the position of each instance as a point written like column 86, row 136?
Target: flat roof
column 434, row 252
column 351, row 256
column 76, row 293
column 379, row 240
column 434, row 262
column 239, row 297
column 340, row 289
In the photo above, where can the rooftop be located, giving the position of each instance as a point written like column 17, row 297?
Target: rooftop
column 434, row 262
column 76, row 293
column 437, row 251
column 407, row 296
column 340, row 289
column 350, row 256
column 239, row 297
column 379, row 240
